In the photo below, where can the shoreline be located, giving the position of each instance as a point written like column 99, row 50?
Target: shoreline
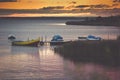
column 106, row 52
column 98, row 21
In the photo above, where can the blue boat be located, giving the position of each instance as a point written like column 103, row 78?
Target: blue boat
column 57, row 40
column 91, row 37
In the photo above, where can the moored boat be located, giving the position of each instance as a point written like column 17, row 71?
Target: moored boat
column 11, row 37
column 33, row 43
column 57, row 40
column 89, row 37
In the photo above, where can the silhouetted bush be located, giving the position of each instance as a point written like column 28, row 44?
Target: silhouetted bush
column 105, row 52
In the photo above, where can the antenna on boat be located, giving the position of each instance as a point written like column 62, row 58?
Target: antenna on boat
column 42, row 38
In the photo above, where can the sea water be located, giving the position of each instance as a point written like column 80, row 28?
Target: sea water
column 42, row 63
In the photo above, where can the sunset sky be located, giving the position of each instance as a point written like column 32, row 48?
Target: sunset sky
column 33, row 8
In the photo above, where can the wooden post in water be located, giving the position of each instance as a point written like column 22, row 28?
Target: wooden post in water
column 45, row 38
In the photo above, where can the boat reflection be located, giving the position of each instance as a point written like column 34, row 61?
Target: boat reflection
column 23, row 49
column 35, row 63
column 43, row 52
column 46, row 51
column 34, row 52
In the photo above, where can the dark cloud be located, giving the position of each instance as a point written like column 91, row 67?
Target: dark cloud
column 50, row 10
column 8, row 0
column 114, row 5
column 82, row 6
column 99, row 6
column 52, row 7
column 116, row 0
column 106, row 12
column 59, row 10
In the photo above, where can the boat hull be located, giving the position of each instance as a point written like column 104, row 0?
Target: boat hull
column 52, row 43
column 34, row 44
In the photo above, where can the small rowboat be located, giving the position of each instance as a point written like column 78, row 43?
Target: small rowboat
column 33, row 43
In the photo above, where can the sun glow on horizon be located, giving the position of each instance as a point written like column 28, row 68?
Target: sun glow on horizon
column 51, row 15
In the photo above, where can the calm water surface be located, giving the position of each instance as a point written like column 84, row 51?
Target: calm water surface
column 30, row 63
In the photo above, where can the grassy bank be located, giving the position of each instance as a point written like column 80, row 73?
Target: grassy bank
column 105, row 52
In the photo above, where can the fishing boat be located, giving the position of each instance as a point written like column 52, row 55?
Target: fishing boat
column 57, row 40
column 33, row 43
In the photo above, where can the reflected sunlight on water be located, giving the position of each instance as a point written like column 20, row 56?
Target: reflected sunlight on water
column 62, row 24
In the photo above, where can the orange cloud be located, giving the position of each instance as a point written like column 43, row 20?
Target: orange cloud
column 60, row 7
column 36, row 4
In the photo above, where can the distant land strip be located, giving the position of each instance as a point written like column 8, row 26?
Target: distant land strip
column 98, row 21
